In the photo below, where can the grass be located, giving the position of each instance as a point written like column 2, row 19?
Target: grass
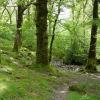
column 87, row 90
column 18, row 82
column 24, row 83
column 78, row 96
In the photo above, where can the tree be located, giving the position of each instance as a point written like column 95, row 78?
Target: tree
column 91, row 63
column 53, row 30
column 41, row 32
column 18, row 38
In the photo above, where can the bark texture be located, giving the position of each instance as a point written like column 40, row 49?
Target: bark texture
column 91, row 63
column 18, row 37
column 42, row 36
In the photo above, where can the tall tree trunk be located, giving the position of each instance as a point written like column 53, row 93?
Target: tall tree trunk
column 18, row 37
column 42, row 36
column 53, row 33
column 84, row 30
column 91, row 63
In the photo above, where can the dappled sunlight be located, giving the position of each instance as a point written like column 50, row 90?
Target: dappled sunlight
column 3, row 87
column 52, row 50
column 6, row 69
column 4, row 78
column 11, row 58
column 16, row 63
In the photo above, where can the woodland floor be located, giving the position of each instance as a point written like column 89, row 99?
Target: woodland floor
column 19, row 81
column 86, row 85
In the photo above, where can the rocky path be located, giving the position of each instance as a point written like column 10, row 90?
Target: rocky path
column 61, row 92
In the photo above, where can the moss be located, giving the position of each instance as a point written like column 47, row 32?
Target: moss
column 91, row 65
column 77, row 88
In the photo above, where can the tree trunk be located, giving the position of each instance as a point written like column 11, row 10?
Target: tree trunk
column 42, row 36
column 18, row 37
column 53, row 33
column 91, row 63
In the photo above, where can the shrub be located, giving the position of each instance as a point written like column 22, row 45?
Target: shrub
column 75, row 54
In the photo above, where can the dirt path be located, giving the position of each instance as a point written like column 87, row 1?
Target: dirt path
column 61, row 92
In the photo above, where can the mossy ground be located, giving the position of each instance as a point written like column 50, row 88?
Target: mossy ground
column 18, row 83
column 85, row 87
column 78, row 96
column 21, row 82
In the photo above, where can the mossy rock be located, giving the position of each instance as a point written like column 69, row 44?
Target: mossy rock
column 77, row 88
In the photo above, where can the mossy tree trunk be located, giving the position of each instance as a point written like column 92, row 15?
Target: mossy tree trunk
column 18, row 37
column 22, row 6
column 91, row 63
column 42, row 36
